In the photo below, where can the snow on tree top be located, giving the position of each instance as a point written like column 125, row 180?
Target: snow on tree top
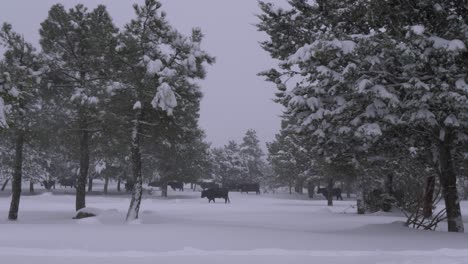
column 168, row 73
column 297, row 102
column 424, row 115
column 13, row 91
column 192, row 63
column 313, row 103
column 154, row 66
column 418, row 29
column 450, row 45
column 304, row 53
column 371, row 130
column 137, row 105
column 120, row 47
column 346, row 46
column 93, row 100
column 112, row 86
column 382, row 92
column 452, row 121
column 100, row 166
column 165, row 99
column 79, row 94
column 363, row 84
column 438, row 7
column 461, row 84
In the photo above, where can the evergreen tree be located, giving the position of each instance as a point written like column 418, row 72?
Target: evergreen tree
column 252, row 153
column 230, row 167
column 320, row 55
column 24, row 77
column 289, row 161
column 372, row 71
column 78, row 45
column 156, row 60
column 431, row 82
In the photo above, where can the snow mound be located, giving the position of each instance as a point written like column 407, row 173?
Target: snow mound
column 99, row 214
column 89, row 221
column 135, row 222
column 393, row 212
column 91, row 210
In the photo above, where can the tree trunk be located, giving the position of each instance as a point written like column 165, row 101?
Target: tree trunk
column 448, row 180
column 310, row 189
column 84, row 165
column 466, row 192
column 299, row 188
column 360, row 202
column 90, row 184
column 118, row 184
column 17, row 176
column 429, row 196
column 348, row 188
column 164, row 190
column 389, row 184
column 31, row 186
column 5, row 184
column 386, row 203
column 137, row 192
column 290, row 189
column 106, row 184
column 330, row 191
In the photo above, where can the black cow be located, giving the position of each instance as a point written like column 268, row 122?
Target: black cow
column 250, row 187
column 129, row 186
column 208, row 185
column 48, row 184
column 211, row 194
column 336, row 192
column 176, row 185
column 67, row 182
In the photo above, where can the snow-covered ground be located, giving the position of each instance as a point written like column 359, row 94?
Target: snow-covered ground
column 186, row 229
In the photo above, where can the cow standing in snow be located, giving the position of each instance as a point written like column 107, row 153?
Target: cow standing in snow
column 176, row 185
column 211, row 194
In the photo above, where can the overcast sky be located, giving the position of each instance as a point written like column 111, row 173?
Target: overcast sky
column 235, row 99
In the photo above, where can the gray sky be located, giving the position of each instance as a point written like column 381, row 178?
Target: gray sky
column 235, row 98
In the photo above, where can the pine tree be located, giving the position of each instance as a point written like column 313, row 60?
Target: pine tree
column 319, row 55
column 252, row 153
column 289, row 158
column 230, row 167
column 24, row 77
column 78, row 46
column 156, row 60
column 373, row 71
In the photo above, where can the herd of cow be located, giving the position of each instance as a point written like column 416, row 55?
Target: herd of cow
column 64, row 182
column 210, row 190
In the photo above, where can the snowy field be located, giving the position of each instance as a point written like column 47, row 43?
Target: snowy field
column 186, row 229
